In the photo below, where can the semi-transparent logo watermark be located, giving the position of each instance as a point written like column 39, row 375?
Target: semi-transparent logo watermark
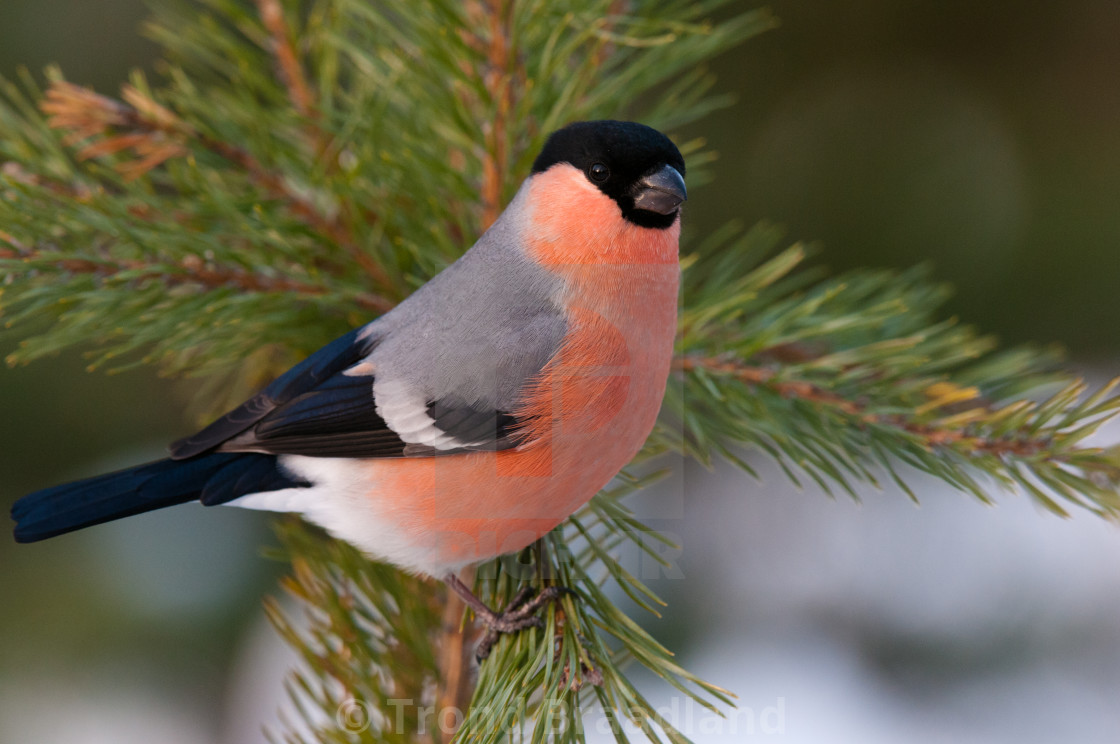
column 405, row 715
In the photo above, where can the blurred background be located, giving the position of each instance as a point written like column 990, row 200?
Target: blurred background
column 983, row 138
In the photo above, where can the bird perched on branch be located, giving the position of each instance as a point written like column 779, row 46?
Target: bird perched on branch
column 479, row 413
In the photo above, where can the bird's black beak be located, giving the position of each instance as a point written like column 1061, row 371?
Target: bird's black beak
column 661, row 192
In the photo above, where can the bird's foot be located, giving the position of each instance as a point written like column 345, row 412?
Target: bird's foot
column 520, row 613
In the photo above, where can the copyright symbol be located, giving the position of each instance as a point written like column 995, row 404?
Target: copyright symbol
column 352, row 716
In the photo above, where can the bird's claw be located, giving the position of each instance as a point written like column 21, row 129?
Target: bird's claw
column 519, row 614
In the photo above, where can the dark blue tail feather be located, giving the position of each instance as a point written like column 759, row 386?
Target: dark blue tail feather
column 213, row 478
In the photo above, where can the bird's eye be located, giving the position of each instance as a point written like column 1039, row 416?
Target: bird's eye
column 599, row 172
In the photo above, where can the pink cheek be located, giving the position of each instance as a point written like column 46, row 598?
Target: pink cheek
column 575, row 224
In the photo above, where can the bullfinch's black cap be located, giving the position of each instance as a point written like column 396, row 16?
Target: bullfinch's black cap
column 637, row 166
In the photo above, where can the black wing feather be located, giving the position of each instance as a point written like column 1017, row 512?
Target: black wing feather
column 314, row 409
column 319, row 368
column 341, row 405
column 481, row 427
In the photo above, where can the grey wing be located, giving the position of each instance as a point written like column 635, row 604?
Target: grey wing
column 444, row 371
column 357, row 398
column 456, row 390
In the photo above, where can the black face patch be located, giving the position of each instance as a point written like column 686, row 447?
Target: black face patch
column 615, row 156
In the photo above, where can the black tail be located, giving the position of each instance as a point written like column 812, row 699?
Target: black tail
column 213, row 478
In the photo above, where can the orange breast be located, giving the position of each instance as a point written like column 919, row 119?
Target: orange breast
column 592, row 408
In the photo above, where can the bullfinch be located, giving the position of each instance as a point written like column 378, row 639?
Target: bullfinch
column 480, row 412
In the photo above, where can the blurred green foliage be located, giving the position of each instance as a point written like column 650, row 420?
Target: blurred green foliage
column 980, row 137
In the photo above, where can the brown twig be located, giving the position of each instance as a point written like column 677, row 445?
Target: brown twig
column 496, row 78
column 17, row 249
column 299, row 92
column 330, row 227
column 77, row 191
column 190, row 270
column 931, row 435
column 456, row 651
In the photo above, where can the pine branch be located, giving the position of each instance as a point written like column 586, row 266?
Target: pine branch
column 364, row 633
column 495, row 78
column 845, row 378
column 191, row 270
column 307, row 164
column 156, row 135
column 1024, row 441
